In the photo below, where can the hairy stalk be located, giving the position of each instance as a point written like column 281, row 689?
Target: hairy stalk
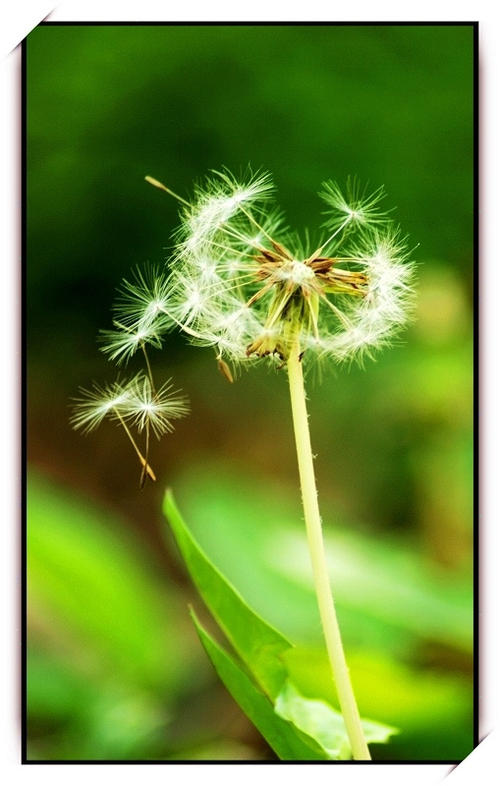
column 312, row 517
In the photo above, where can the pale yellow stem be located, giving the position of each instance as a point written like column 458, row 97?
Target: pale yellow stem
column 326, row 605
column 141, row 458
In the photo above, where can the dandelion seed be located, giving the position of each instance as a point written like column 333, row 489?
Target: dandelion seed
column 123, row 342
column 156, row 409
column 141, row 303
column 93, row 405
column 353, row 204
column 131, row 403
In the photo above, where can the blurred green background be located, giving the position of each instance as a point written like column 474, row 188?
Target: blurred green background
column 115, row 668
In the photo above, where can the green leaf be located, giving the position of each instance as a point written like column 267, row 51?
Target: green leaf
column 286, row 739
column 320, row 721
column 311, row 727
column 258, row 644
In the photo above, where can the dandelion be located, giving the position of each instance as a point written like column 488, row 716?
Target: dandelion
column 243, row 284
column 131, row 403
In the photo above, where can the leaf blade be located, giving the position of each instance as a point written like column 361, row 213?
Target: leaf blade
column 289, row 743
column 320, row 721
column 257, row 643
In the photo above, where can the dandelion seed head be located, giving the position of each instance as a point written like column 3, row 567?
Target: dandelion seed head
column 241, row 283
column 249, row 289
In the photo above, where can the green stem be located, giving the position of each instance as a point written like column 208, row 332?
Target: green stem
column 312, row 517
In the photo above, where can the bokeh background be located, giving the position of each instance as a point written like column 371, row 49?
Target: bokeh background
column 115, row 667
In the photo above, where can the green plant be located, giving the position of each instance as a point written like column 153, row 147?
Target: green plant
column 236, row 287
column 262, row 681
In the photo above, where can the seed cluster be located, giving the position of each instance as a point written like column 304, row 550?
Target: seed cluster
column 241, row 282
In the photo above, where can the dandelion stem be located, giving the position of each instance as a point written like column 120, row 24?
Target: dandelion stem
column 143, row 473
column 139, row 454
column 255, row 223
column 329, row 240
column 148, row 366
column 312, row 517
